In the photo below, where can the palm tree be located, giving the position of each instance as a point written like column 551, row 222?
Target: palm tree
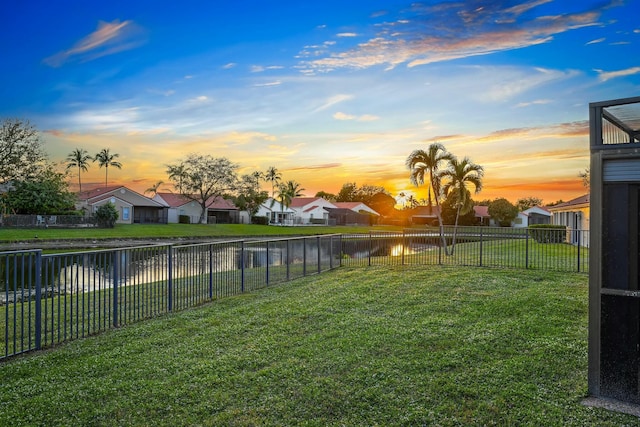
column 426, row 164
column 154, row 188
column 79, row 158
column 287, row 191
column 459, row 175
column 274, row 176
column 177, row 173
column 106, row 159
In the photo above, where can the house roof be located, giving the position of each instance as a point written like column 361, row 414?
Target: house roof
column 481, row 211
column 298, row 202
column 120, row 192
column 176, row 200
column 347, row 205
column 578, row 201
column 425, row 211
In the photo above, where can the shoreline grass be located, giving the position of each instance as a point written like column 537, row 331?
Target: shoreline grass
column 377, row 346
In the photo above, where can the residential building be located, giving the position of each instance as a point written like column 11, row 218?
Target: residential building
column 276, row 213
column 311, row 210
column 573, row 214
column 219, row 209
column 132, row 207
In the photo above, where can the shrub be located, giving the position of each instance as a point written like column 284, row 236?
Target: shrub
column 260, row 220
column 184, row 219
column 548, row 233
column 106, row 215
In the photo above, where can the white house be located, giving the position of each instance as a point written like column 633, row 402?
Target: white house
column 219, row 210
column 276, row 212
column 537, row 215
column 573, row 214
column 310, row 210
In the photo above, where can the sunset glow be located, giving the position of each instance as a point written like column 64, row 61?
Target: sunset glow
column 328, row 92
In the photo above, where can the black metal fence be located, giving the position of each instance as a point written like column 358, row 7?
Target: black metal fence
column 49, row 299
column 529, row 248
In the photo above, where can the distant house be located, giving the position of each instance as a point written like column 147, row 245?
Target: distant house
column 482, row 215
column 219, row 210
column 276, row 213
column 537, row 215
column 311, row 210
column 573, row 214
column 344, row 216
column 132, row 207
column 356, row 207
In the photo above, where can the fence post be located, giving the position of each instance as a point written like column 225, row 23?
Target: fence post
column 579, row 235
column 304, row 256
column 370, row 247
column 319, row 258
column 267, row 269
column 210, row 270
column 115, row 280
column 170, row 278
column 288, row 259
column 404, row 242
column 242, row 266
column 526, row 252
column 481, row 244
column 331, row 252
column 38, row 325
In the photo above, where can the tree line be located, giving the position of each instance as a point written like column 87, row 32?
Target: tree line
column 31, row 184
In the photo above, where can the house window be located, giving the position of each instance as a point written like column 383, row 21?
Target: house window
column 518, row 221
column 125, row 214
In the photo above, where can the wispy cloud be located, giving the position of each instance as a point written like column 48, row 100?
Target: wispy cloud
column 274, row 83
column 363, row 118
column 109, row 38
column 333, row 100
column 261, row 68
column 346, row 34
column 535, row 102
column 446, row 31
column 600, row 40
column 607, row 75
column 229, row 66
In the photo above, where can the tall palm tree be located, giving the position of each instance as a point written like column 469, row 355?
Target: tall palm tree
column 274, row 176
column 459, row 175
column 79, row 158
column 426, row 164
column 287, row 191
column 106, row 159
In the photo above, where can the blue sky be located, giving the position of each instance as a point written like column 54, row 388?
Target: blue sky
column 328, row 92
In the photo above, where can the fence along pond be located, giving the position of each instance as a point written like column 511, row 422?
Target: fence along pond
column 46, row 299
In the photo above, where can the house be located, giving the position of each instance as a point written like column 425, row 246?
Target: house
column 482, row 215
column 132, row 207
column 219, row 210
column 573, row 214
column 311, row 210
column 537, row 215
column 276, row 213
column 344, row 216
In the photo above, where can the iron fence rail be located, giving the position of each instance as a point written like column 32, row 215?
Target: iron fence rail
column 46, row 299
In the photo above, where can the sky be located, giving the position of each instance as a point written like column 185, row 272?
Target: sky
column 328, row 92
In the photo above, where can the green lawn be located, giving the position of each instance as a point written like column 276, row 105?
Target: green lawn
column 154, row 231
column 356, row 346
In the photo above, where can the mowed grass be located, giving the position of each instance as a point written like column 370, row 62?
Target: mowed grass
column 155, row 231
column 356, row 346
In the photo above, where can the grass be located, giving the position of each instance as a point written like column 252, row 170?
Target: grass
column 155, row 231
column 377, row 346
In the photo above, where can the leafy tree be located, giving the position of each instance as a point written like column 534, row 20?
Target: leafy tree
column 106, row 215
column 383, row 203
column 79, row 158
column 21, row 154
column 46, row 194
column 503, row 212
column 203, row 178
column 106, row 159
column 273, row 176
column 426, row 164
column 250, row 197
column 327, row 196
column 458, row 175
column 450, row 212
column 528, row 202
column 348, row 192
